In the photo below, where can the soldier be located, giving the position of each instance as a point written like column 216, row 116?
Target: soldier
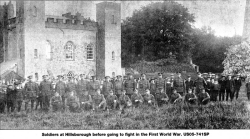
column 172, row 80
column 160, row 83
column 209, row 86
column 93, row 86
column 215, row 91
column 130, row 85
column 161, row 98
column 179, row 85
column 136, row 99
column 118, row 86
column 19, row 96
column 39, row 99
column 190, row 97
column 31, row 91
column 168, row 87
column 143, row 84
column 199, row 84
column 148, row 98
column 72, row 102
column 99, row 102
column 203, row 97
column 230, row 85
column 85, row 101
column 153, row 87
column 56, row 102
column 175, row 97
column 60, row 88
column 248, row 89
column 222, row 83
column 46, row 89
column 82, row 86
column 2, row 99
column 107, row 86
column 112, row 101
column 11, row 98
column 189, row 84
column 237, row 85
column 124, row 101
column 71, row 85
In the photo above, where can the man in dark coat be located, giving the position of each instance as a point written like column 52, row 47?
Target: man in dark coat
column 61, row 89
column 130, row 85
column 107, row 86
column 179, row 85
column 11, row 98
column 199, row 84
column 222, row 92
column 230, row 85
column 160, row 83
column 2, row 99
column 143, row 84
column 118, row 86
column 237, row 85
column 189, row 84
column 31, row 90
column 19, row 96
column 93, row 86
column 203, row 97
column 46, row 89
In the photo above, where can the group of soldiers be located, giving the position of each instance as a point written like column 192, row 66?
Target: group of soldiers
column 116, row 93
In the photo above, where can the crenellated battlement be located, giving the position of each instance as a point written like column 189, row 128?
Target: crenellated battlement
column 66, row 23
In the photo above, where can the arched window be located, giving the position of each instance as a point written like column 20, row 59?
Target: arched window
column 90, row 52
column 69, row 51
column 34, row 11
column 113, row 55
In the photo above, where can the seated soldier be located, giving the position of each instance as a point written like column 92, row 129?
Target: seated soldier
column 85, row 101
column 136, row 98
column 161, row 98
column 2, row 99
column 175, row 97
column 72, row 102
column 203, row 97
column 56, row 102
column 124, row 101
column 112, row 101
column 149, row 99
column 190, row 97
column 99, row 102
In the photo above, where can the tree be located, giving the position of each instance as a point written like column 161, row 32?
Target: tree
column 237, row 59
column 156, row 30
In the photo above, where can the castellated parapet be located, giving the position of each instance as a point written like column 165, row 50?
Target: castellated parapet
column 64, row 23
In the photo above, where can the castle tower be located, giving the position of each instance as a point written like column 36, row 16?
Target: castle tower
column 246, row 28
column 108, row 16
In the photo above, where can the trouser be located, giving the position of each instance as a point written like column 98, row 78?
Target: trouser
column 237, row 90
column 222, row 95
column 2, row 106
column 39, row 102
column 214, row 95
column 46, row 102
column 205, row 102
column 63, row 102
column 56, row 107
column 19, row 105
column 229, row 94
column 29, row 100
column 112, row 105
column 10, row 106
column 118, row 93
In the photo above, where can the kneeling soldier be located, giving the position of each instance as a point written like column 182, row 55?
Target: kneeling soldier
column 99, row 101
column 190, row 97
column 56, row 102
column 124, row 101
column 72, row 102
column 203, row 97
column 161, row 98
column 85, row 101
column 149, row 99
column 175, row 97
column 136, row 98
column 112, row 101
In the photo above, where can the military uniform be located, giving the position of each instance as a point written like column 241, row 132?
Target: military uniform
column 203, row 98
column 2, row 100
column 137, row 99
column 56, row 102
column 237, row 87
column 124, row 101
column 160, row 84
column 222, row 89
column 209, row 87
column 31, row 90
column 112, row 101
column 175, row 97
column 61, row 89
column 190, row 98
column 93, row 86
column 19, row 99
column 85, row 101
column 72, row 103
column 161, row 98
column 129, row 86
column 199, row 84
column 46, row 89
column 82, row 87
column 118, row 87
column 230, row 85
column 106, row 88
column 189, row 85
column 71, row 86
column 149, row 99
column 179, row 85
column 11, row 99
column 99, row 100
column 153, row 88
column 215, row 91
column 142, row 86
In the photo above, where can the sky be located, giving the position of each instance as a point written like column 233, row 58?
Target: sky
column 225, row 17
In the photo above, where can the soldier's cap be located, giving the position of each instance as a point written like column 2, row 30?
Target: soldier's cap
column 29, row 77
column 189, row 75
column 159, row 74
column 106, row 77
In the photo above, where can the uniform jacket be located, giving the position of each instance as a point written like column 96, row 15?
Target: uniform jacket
column 118, row 87
column 143, row 85
column 107, row 87
column 46, row 88
column 31, row 89
column 179, row 84
column 148, row 97
column 20, row 94
column 230, row 85
column 160, row 83
column 110, row 99
column 174, row 96
column 94, row 85
column 237, row 83
column 189, row 95
column 203, row 96
column 71, row 86
column 136, row 97
column 189, row 84
column 56, row 100
column 222, row 84
column 82, row 85
column 98, row 99
column 216, row 87
column 124, row 99
column 200, row 83
column 130, row 86
column 61, row 88
column 11, row 94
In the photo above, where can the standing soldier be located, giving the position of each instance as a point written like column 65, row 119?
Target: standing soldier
column 237, row 85
column 222, row 83
column 2, row 99
column 230, row 85
column 71, row 85
column 31, row 91
column 61, row 90
column 179, row 85
column 209, row 86
column 189, row 84
column 82, row 86
column 118, row 86
column 19, row 96
column 11, row 98
column 130, row 85
column 160, row 83
column 199, row 84
column 153, row 87
column 143, row 84
column 46, row 89
column 93, row 86
column 107, row 86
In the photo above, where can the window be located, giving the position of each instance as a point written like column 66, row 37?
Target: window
column 113, row 19
column 90, row 52
column 113, row 55
column 49, row 50
column 70, row 74
column 34, row 11
column 35, row 54
column 69, row 51
column 36, row 76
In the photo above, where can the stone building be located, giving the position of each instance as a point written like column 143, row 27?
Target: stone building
column 37, row 44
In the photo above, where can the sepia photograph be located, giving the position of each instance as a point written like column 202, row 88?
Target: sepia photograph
column 125, row 65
